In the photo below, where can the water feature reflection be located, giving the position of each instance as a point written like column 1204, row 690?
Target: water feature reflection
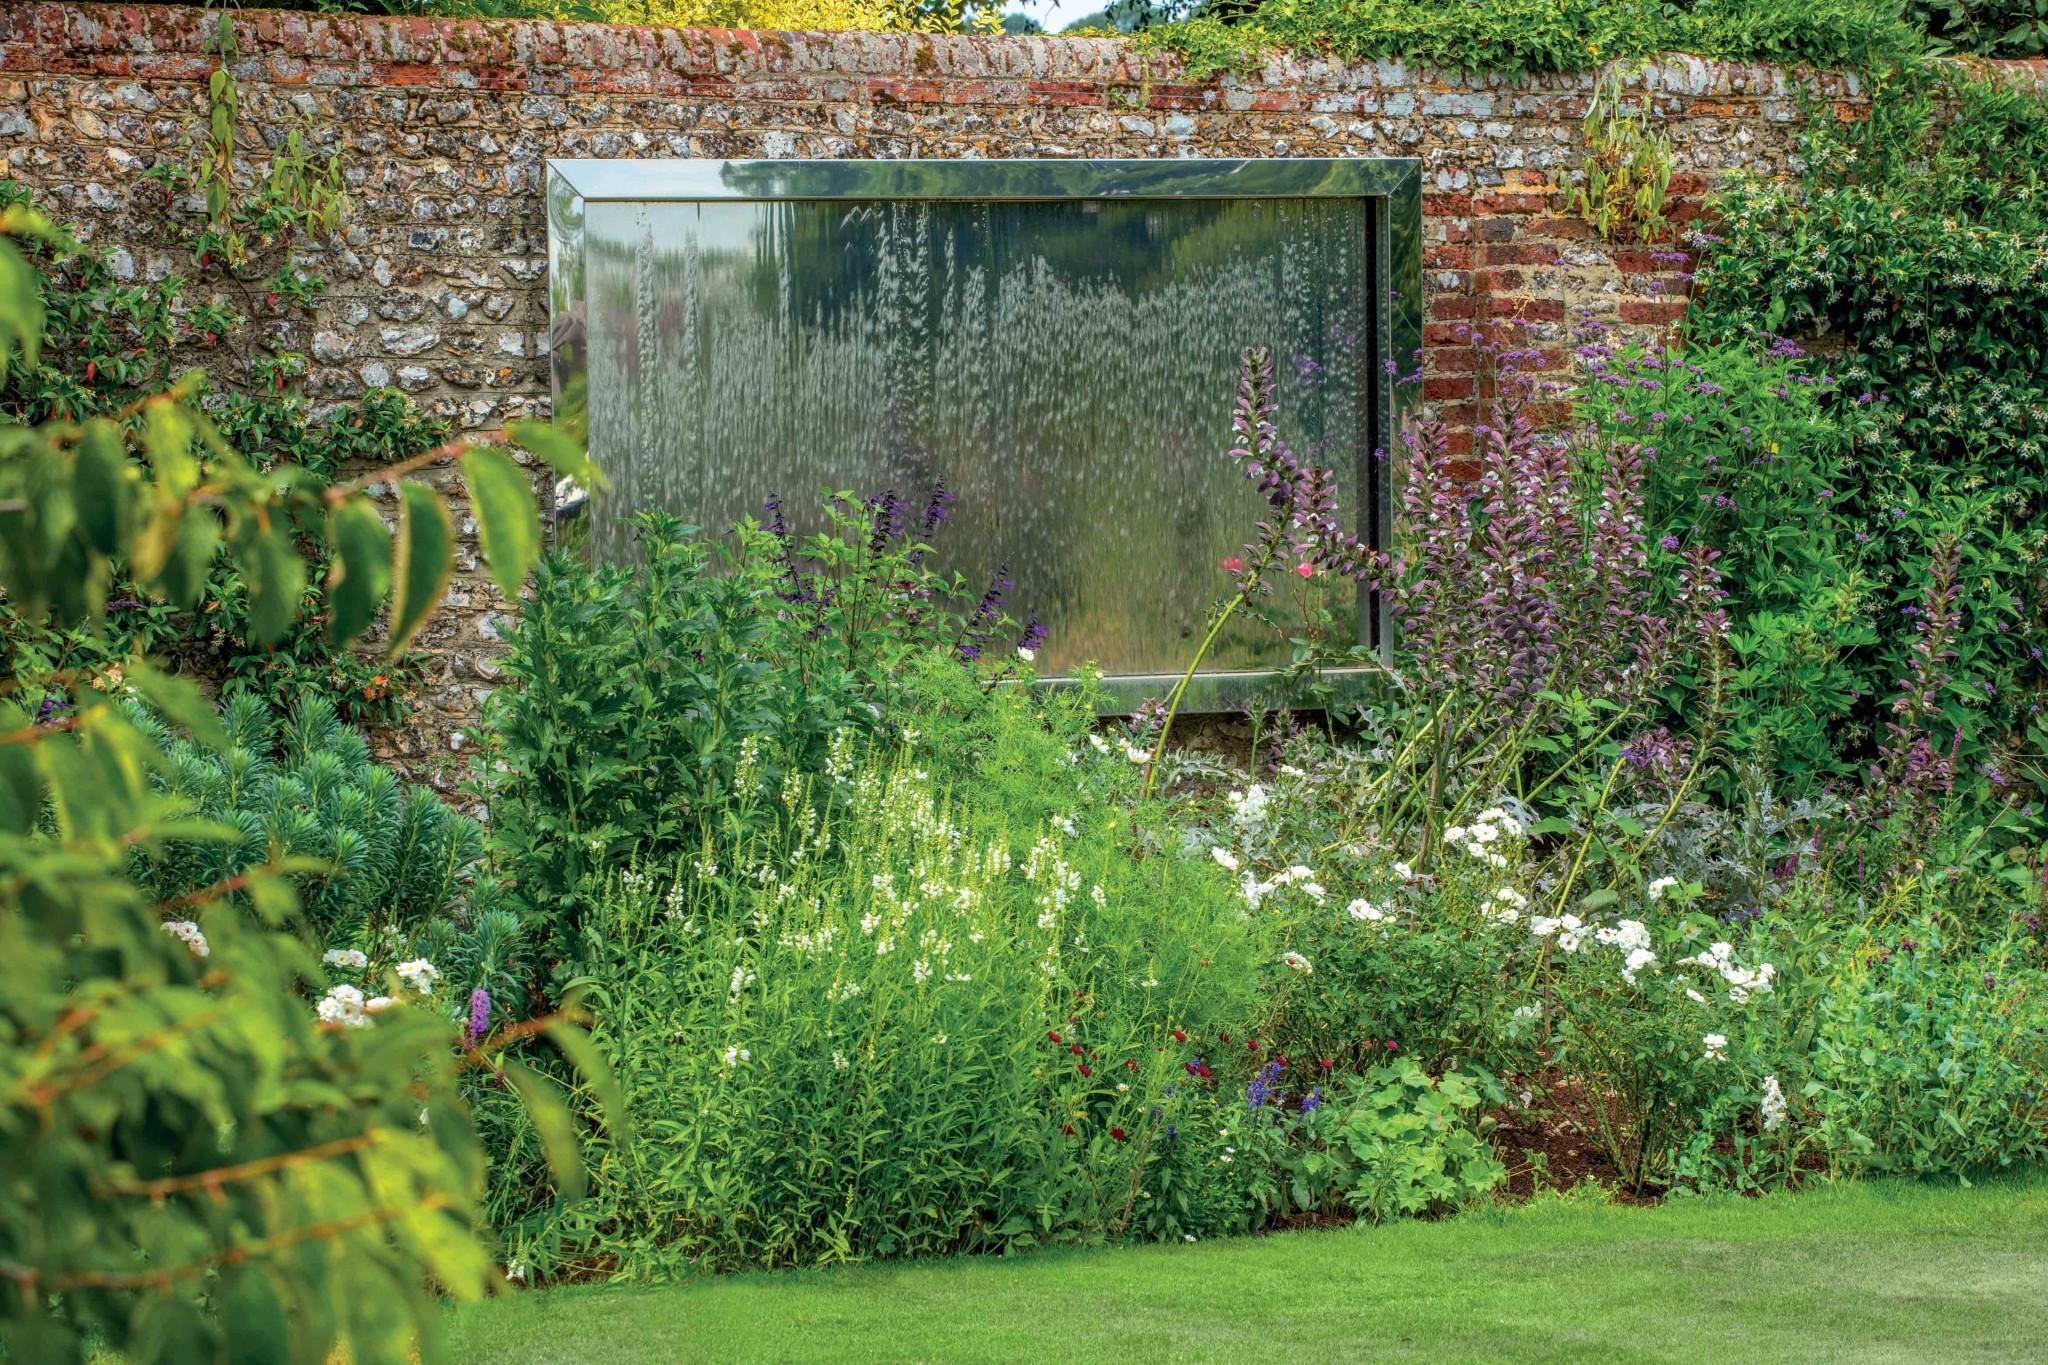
column 1065, row 367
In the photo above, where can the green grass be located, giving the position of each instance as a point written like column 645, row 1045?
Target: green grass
column 1870, row 1272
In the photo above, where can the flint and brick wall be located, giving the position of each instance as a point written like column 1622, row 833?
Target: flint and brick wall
column 438, row 281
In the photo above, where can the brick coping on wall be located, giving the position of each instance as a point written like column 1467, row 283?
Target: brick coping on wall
column 171, row 43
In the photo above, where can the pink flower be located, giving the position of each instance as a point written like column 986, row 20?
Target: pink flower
column 1305, row 570
column 1233, row 565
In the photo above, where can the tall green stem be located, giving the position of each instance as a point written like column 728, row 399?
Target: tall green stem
column 1173, row 705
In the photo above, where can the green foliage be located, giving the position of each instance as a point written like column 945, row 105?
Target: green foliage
column 306, row 787
column 1749, row 454
column 107, row 345
column 649, row 706
column 194, row 1170
column 1514, row 37
column 1418, row 1146
column 870, row 1018
column 1931, row 1056
column 1915, row 237
column 1627, row 169
column 1984, row 28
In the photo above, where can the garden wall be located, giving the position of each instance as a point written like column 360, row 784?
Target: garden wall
column 438, row 287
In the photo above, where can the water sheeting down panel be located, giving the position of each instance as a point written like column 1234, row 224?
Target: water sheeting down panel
column 1066, row 368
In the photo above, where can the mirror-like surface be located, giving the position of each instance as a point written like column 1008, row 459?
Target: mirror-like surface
column 1066, row 368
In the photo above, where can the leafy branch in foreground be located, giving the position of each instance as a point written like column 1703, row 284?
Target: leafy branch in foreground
column 194, row 1165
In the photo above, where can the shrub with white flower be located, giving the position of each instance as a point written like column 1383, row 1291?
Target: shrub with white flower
column 342, row 1005
column 188, row 931
column 1716, row 1045
column 1297, row 963
column 348, row 959
column 1773, row 1109
column 1660, row 886
column 1742, row 981
column 1365, row 912
column 419, row 975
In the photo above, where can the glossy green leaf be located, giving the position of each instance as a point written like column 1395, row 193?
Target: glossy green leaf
column 506, row 520
column 424, row 560
column 99, row 480
column 360, row 576
column 559, row 451
column 554, row 1125
column 277, row 579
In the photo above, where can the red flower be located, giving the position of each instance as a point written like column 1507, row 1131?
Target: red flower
column 1054, row 1035
column 1077, row 1049
column 1233, row 565
column 1252, row 1043
column 1224, row 1036
column 1179, row 1037
column 1131, row 1062
column 1117, row 1133
column 1085, row 1071
column 1329, row 1064
column 1067, row 1128
column 1391, row 1046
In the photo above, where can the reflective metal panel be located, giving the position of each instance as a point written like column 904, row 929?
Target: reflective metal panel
column 1056, row 342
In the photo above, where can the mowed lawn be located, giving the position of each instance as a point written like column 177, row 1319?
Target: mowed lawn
column 1881, row 1271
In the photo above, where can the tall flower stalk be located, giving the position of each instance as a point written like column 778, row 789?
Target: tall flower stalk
column 1302, row 534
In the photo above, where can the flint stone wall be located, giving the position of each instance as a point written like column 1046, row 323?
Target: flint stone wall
column 438, row 281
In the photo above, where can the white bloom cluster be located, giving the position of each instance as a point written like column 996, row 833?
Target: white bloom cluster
column 1660, row 886
column 1773, row 1109
column 1512, row 904
column 1225, row 857
column 419, row 975
column 1365, row 912
column 735, row 1055
column 1716, row 1045
column 342, row 1005
column 1250, row 808
column 348, row 959
column 1297, row 963
column 839, row 755
column 1305, row 877
column 1569, row 929
column 1478, row 838
column 1742, row 981
column 741, row 979
column 188, row 931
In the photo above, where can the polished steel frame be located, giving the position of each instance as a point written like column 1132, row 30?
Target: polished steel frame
column 1391, row 187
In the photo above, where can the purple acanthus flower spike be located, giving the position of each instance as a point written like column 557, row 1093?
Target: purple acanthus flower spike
column 1534, row 577
column 1302, row 493
column 479, row 1015
column 1034, row 634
